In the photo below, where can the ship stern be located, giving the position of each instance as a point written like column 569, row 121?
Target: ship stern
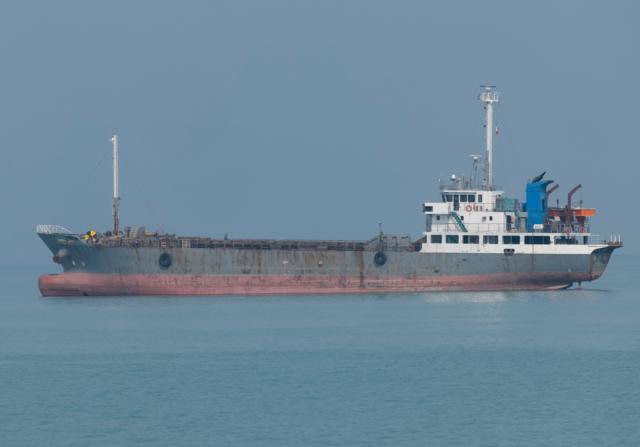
column 600, row 259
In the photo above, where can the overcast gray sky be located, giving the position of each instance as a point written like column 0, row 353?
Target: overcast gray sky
column 306, row 119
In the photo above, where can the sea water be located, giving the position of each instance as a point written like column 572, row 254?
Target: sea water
column 474, row 369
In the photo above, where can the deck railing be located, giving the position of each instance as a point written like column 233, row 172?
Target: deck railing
column 51, row 229
column 452, row 227
column 388, row 243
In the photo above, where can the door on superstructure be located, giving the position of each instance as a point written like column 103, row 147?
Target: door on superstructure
column 456, row 202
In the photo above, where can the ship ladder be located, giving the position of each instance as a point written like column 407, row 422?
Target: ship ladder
column 459, row 222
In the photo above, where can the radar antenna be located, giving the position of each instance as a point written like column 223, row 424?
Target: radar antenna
column 474, row 169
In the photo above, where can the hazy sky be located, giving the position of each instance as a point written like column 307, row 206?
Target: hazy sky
column 306, row 119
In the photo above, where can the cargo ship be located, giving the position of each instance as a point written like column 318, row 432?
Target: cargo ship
column 475, row 239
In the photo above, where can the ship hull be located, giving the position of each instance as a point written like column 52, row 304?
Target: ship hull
column 92, row 271
column 106, row 284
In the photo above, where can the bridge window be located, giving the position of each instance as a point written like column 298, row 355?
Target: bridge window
column 480, row 198
column 436, row 239
column 427, row 208
column 463, row 197
column 537, row 240
column 453, row 239
column 564, row 240
column 511, row 240
column 472, row 198
column 489, row 239
column 470, row 239
column 449, row 198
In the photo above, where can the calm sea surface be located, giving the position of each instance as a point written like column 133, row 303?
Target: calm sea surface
column 482, row 369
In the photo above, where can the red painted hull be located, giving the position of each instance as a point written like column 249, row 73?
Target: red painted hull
column 105, row 284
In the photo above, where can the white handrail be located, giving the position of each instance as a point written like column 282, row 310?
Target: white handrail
column 51, row 229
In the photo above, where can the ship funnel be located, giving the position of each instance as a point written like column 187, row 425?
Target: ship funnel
column 488, row 97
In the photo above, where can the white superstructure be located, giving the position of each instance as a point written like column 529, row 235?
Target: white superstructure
column 474, row 217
